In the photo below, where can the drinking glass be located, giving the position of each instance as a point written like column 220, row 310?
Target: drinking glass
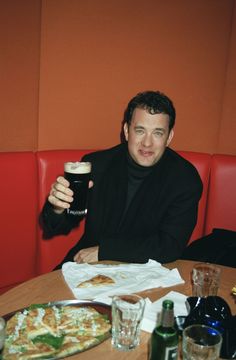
column 206, row 279
column 2, row 332
column 201, row 342
column 78, row 175
column 127, row 314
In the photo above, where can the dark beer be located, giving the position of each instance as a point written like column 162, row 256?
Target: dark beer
column 78, row 175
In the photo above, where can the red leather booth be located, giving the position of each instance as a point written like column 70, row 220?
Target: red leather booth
column 202, row 163
column 221, row 204
column 25, row 183
column 18, row 221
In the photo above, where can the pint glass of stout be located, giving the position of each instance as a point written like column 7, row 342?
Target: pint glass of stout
column 78, row 175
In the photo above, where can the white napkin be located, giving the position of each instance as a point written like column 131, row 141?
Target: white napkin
column 129, row 278
column 152, row 309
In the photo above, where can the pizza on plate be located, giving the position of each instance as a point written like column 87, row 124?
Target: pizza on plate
column 46, row 332
column 98, row 280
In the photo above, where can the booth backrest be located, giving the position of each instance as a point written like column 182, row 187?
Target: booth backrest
column 202, row 162
column 50, row 166
column 221, row 203
column 25, row 182
column 19, row 206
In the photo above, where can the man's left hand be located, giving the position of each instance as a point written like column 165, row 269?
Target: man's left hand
column 87, row 255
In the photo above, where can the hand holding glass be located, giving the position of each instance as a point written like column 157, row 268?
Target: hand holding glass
column 78, row 175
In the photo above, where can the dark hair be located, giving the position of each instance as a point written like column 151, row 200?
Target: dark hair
column 154, row 102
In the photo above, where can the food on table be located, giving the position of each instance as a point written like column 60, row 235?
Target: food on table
column 43, row 331
column 98, row 280
column 234, row 290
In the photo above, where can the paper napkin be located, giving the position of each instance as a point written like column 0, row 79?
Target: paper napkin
column 152, row 309
column 128, row 278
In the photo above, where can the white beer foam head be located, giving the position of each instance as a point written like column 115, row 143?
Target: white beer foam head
column 77, row 167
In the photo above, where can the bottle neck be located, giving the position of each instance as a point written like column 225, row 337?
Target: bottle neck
column 167, row 318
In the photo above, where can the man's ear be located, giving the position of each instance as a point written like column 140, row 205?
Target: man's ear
column 126, row 131
column 170, row 137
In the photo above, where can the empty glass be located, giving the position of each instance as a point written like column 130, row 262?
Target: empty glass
column 2, row 332
column 127, row 314
column 201, row 342
column 206, row 279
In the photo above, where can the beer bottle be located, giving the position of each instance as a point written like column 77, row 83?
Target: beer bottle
column 164, row 339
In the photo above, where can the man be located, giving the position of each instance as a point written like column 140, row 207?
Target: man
column 143, row 196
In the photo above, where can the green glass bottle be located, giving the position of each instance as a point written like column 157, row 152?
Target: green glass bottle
column 164, row 339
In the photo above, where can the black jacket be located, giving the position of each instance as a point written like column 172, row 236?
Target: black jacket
column 159, row 220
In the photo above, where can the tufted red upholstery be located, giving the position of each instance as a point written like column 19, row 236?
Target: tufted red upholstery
column 19, row 187
column 202, row 163
column 50, row 165
column 221, row 204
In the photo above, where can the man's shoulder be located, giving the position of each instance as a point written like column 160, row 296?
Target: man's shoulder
column 105, row 154
column 179, row 160
column 182, row 167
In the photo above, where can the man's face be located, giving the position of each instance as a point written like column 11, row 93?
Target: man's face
column 147, row 136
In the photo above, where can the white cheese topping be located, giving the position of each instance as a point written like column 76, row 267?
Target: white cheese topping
column 39, row 319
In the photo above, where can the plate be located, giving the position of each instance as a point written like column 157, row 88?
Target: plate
column 102, row 308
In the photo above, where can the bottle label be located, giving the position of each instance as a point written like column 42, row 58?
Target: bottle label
column 171, row 353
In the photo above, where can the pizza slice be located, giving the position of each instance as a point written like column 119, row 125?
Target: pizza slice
column 98, row 280
column 53, row 332
column 21, row 330
column 76, row 343
column 83, row 321
column 41, row 321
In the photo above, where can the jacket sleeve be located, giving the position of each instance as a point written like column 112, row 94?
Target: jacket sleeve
column 56, row 224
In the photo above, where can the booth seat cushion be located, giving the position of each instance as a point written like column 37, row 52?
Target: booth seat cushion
column 50, row 166
column 18, row 214
column 202, row 162
column 221, row 204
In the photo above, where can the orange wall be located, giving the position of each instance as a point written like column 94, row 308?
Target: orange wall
column 19, row 74
column 227, row 129
column 67, row 87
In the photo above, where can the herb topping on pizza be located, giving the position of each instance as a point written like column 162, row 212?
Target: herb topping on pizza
column 42, row 332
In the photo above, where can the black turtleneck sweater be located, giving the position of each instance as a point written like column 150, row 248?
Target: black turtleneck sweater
column 136, row 174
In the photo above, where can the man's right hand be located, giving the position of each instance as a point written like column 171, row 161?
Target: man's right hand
column 60, row 195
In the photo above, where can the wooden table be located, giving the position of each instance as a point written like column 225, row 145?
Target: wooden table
column 52, row 287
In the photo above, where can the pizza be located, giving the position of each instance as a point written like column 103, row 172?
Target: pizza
column 98, row 280
column 46, row 332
